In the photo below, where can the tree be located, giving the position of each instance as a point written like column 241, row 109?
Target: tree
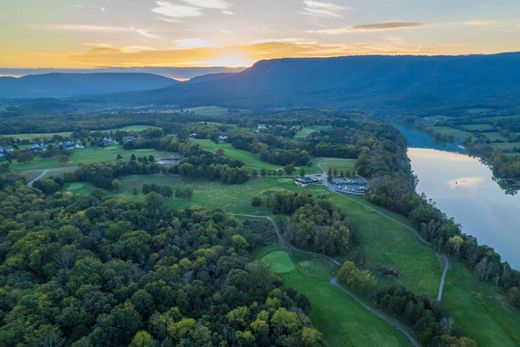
column 220, row 152
column 256, row 201
column 142, row 339
column 352, row 277
column 302, row 172
column 64, row 159
column 455, row 243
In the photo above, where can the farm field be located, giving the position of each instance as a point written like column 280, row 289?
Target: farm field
column 251, row 160
column 208, row 110
column 39, row 136
column 85, row 156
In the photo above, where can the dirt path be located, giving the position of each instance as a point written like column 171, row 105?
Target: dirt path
column 407, row 227
column 400, row 327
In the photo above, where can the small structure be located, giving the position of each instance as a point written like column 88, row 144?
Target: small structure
column 306, row 180
column 129, row 139
column 107, row 141
column 70, row 145
column 223, row 137
column 38, row 148
column 171, row 160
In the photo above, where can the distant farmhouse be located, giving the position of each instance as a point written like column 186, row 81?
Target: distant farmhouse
column 5, row 151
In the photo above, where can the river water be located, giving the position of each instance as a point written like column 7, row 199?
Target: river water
column 464, row 188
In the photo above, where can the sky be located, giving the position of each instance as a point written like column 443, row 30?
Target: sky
column 179, row 33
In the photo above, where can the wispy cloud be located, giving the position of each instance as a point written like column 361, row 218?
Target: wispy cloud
column 168, row 9
column 322, row 9
column 212, row 4
column 369, row 27
column 481, row 22
column 98, row 29
column 95, row 7
column 190, row 8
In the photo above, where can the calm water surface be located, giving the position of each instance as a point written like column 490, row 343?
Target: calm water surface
column 463, row 188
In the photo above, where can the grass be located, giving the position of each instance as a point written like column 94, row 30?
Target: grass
column 208, row 110
column 478, row 127
column 455, row 133
column 85, row 156
column 304, row 132
column 345, row 165
column 134, row 128
column 342, row 320
column 251, row 160
column 280, row 261
column 507, row 146
column 41, row 136
column 476, row 306
column 495, row 137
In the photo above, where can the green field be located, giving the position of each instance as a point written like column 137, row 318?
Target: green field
column 251, row 160
column 280, row 261
column 342, row 320
column 135, row 128
column 208, row 110
column 474, row 305
column 495, row 137
column 40, row 136
column 455, row 133
column 478, row 127
column 345, row 165
column 304, row 132
column 85, row 156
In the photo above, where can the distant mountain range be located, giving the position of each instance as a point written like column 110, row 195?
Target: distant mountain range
column 367, row 83
column 379, row 84
column 61, row 85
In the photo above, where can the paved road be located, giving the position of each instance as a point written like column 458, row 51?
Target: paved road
column 400, row 327
column 31, row 182
column 332, row 188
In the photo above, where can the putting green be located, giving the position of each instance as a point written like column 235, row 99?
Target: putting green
column 280, row 261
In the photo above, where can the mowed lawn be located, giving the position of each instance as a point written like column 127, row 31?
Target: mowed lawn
column 251, row 160
column 476, row 306
column 338, row 164
column 342, row 320
column 85, row 156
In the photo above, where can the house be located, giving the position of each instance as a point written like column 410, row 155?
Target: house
column 223, row 137
column 70, row 145
column 38, row 148
column 107, row 141
column 306, row 180
column 129, row 139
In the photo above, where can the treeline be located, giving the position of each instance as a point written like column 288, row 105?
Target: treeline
column 444, row 234
column 432, row 324
column 314, row 224
column 90, row 271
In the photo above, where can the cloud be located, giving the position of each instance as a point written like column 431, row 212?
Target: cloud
column 369, row 27
column 168, row 9
column 322, row 9
column 98, row 29
column 212, row 4
column 96, row 7
column 190, row 8
column 481, row 22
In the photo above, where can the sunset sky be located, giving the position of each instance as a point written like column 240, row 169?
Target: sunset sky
column 128, row 33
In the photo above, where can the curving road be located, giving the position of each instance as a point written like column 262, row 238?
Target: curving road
column 400, row 327
column 444, row 257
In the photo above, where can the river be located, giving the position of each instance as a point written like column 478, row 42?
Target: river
column 464, row 188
